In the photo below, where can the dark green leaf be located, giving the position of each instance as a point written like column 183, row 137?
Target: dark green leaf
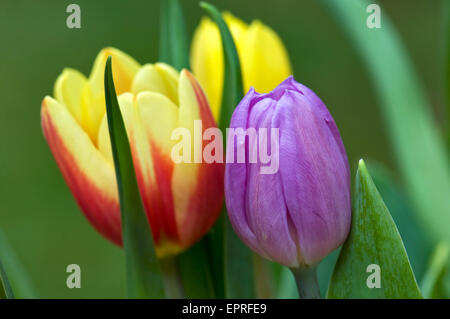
column 233, row 90
column 446, row 61
column 420, row 151
column 195, row 272
column 143, row 270
column 174, row 48
column 436, row 283
column 373, row 240
column 214, row 243
column 193, row 263
column 18, row 280
column 238, row 265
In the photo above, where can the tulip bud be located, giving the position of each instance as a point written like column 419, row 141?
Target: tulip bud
column 264, row 59
column 182, row 201
column 300, row 213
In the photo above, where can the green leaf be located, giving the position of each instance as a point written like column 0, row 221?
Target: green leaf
column 174, row 49
column 233, row 90
column 238, row 264
column 195, row 272
column 436, row 283
column 373, row 239
column 214, row 243
column 419, row 149
column 417, row 244
column 192, row 264
column 287, row 288
column 446, row 61
column 18, row 280
column 143, row 269
column 5, row 287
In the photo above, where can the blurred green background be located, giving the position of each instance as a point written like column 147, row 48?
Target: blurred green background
column 37, row 211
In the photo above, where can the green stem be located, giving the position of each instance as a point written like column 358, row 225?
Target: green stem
column 172, row 278
column 263, row 278
column 306, row 280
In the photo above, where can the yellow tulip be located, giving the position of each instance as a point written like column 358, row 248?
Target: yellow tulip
column 183, row 200
column 264, row 59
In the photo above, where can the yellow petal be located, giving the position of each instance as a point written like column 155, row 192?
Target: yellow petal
column 193, row 106
column 68, row 91
column 124, row 69
column 159, row 78
column 264, row 59
column 238, row 29
column 197, row 188
column 207, row 62
column 90, row 177
column 159, row 117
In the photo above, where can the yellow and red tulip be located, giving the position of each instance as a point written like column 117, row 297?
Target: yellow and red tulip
column 182, row 201
column 264, row 59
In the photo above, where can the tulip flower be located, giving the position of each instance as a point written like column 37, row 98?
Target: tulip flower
column 299, row 214
column 182, row 201
column 264, row 59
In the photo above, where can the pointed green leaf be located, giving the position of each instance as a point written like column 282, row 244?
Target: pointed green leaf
column 143, row 270
column 14, row 278
column 174, row 49
column 436, row 282
column 417, row 244
column 233, row 90
column 238, row 264
column 373, row 240
column 420, row 150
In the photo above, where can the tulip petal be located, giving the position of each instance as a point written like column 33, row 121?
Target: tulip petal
column 69, row 90
column 236, row 177
column 264, row 59
column 197, row 187
column 90, row 177
column 312, row 177
column 126, row 103
column 125, row 68
column 291, row 84
column 207, row 62
column 268, row 215
column 159, row 78
column 156, row 117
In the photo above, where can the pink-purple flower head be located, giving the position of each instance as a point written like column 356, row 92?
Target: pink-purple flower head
column 302, row 211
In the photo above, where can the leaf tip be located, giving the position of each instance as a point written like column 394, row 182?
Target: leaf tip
column 203, row 4
column 362, row 165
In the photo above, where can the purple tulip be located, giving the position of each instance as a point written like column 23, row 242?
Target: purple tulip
column 301, row 212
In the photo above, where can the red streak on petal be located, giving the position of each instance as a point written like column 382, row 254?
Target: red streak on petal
column 157, row 198
column 163, row 167
column 206, row 202
column 102, row 211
